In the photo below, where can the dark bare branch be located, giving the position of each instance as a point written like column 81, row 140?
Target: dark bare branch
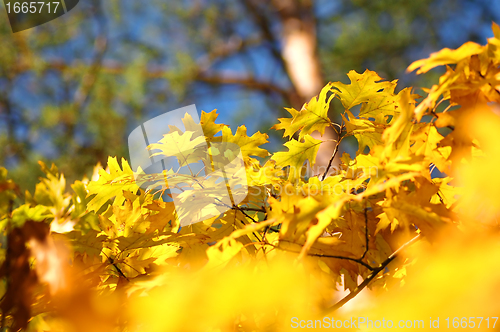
column 372, row 276
column 366, row 234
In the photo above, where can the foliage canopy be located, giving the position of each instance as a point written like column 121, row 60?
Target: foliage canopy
column 109, row 254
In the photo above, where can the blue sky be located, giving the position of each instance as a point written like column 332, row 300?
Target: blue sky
column 147, row 25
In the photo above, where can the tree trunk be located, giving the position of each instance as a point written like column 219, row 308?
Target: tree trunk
column 299, row 51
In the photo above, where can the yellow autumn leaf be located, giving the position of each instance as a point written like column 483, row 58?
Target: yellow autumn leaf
column 186, row 148
column 312, row 117
column 363, row 88
column 367, row 133
column 111, row 184
column 481, row 186
column 210, row 128
column 249, row 145
column 445, row 57
column 298, row 152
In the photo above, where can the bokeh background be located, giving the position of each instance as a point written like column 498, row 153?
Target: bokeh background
column 71, row 91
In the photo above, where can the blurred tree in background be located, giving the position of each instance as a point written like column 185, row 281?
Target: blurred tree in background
column 71, row 93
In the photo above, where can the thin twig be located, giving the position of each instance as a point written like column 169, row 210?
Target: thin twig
column 437, row 117
column 246, row 215
column 372, row 276
column 112, row 262
column 331, row 160
column 248, row 82
column 234, row 207
column 359, row 261
column 334, row 153
column 252, row 209
column 254, row 233
column 366, row 234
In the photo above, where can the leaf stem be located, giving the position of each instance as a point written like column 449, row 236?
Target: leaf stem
column 334, row 153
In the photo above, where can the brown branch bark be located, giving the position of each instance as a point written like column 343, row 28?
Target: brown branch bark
column 372, row 276
column 245, row 81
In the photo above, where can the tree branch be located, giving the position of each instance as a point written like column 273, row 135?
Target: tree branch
column 372, row 276
column 264, row 24
column 357, row 260
column 245, row 81
column 366, row 234
column 252, row 209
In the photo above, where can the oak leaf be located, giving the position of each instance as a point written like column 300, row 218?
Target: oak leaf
column 298, row 152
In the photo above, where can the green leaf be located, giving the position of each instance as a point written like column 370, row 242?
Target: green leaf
column 26, row 212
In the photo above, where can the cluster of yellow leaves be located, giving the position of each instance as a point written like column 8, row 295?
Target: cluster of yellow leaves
column 472, row 83
column 286, row 249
